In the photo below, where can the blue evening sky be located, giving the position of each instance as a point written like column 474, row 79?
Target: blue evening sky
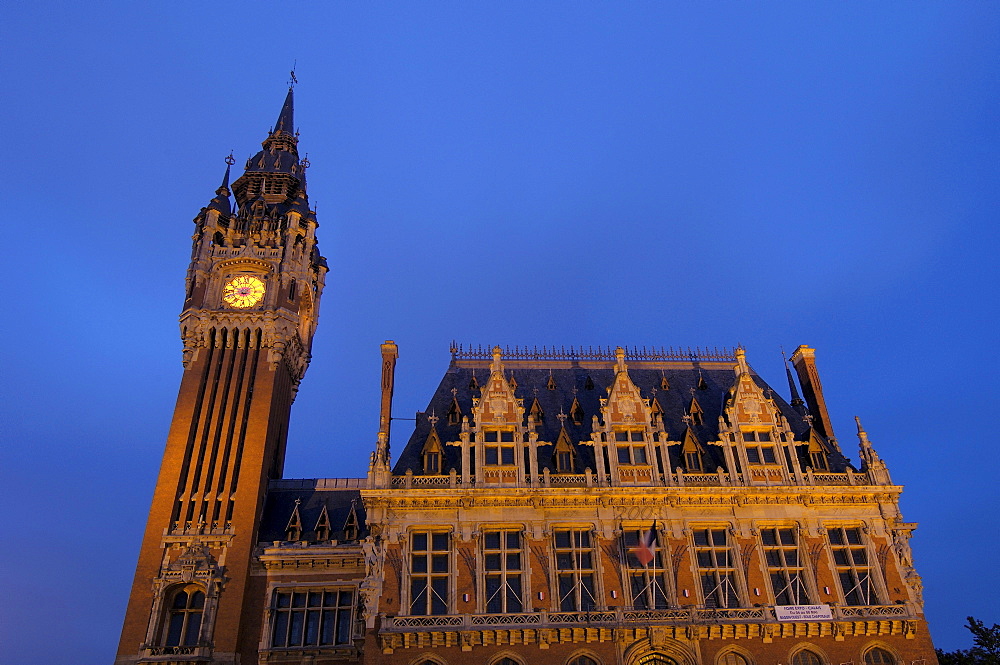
column 760, row 173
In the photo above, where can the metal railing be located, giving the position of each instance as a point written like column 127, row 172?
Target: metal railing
column 624, row 617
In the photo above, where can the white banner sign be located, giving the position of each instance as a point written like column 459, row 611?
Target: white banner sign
column 803, row 613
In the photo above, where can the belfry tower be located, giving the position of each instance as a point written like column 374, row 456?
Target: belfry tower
column 249, row 315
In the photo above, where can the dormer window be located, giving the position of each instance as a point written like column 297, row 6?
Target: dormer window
column 351, row 526
column 759, row 454
column 564, row 461
column 632, row 455
column 818, row 461
column 497, row 455
column 634, row 451
column 454, row 413
column 430, row 456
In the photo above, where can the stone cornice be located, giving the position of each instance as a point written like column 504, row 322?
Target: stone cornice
column 679, row 497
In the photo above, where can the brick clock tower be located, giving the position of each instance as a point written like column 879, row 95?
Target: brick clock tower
column 250, row 312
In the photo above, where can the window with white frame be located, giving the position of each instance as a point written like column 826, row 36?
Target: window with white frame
column 430, row 569
column 784, row 566
column 311, row 617
column 575, row 569
column 850, row 556
column 503, row 568
column 716, row 567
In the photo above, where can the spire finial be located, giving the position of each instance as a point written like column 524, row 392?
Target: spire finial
column 285, row 123
column 292, row 80
column 796, row 402
column 230, row 160
column 862, row 434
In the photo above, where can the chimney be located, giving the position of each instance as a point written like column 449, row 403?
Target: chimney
column 389, row 354
column 804, row 360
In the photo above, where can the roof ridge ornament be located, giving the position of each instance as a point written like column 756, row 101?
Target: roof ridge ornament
column 724, row 354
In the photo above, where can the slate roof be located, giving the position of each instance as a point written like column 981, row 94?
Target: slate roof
column 708, row 382
column 280, row 504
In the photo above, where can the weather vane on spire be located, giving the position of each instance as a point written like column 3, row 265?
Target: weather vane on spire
column 230, row 159
column 292, row 80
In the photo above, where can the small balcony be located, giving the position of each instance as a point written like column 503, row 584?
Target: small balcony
column 619, row 617
column 176, row 654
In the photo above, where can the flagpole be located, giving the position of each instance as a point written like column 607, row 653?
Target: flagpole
column 656, row 545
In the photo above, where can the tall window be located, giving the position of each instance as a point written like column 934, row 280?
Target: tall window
column 759, row 448
column 575, row 569
column 499, row 448
column 312, row 618
column 733, row 658
column 853, row 570
column 879, row 656
column 432, row 462
column 716, row 567
column 183, row 622
column 583, row 660
column 429, row 571
column 806, row 657
column 631, row 447
column 503, row 563
column 647, row 583
column 784, row 566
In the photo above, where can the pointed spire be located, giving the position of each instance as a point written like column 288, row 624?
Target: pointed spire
column 221, row 201
column 797, row 403
column 871, row 463
column 285, row 121
column 225, row 179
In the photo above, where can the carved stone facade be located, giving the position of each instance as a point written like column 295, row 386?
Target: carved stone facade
column 564, row 506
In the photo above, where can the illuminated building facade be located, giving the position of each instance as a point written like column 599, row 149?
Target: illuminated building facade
column 571, row 506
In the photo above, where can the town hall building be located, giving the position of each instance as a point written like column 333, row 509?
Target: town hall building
column 563, row 506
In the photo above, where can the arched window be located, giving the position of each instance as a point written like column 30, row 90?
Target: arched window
column 583, row 660
column 657, row 659
column 879, row 656
column 506, row 661
column 183, row 619
column 806, row 657
column 733, row 658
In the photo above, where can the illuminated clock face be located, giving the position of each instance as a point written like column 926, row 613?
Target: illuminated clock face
column 243, row 291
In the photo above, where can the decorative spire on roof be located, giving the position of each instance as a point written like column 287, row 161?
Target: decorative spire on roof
column 797, row 403
column 871, row 463
column 221, row 201
column 225, row 179
column 285, row 123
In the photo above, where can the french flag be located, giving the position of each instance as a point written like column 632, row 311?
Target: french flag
column 646, row 550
